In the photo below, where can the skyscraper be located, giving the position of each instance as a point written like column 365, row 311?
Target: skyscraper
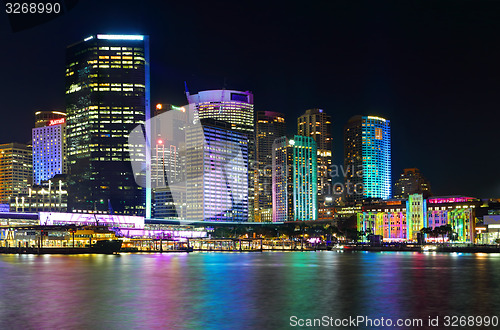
column 294, row 179
column 367, row 158
column 168, row 161
column 235, row 108
column 15, row 170
column 317, row 124
column 107, row 95
column 411, row 182
column 217, row 171
column 269, row 126
column 49, row 145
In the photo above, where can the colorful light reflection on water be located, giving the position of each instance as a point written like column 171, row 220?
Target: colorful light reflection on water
column 240, row 290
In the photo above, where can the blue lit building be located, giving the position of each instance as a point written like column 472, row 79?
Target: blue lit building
column 48, row 145
column 294, row 175
column 367, row 159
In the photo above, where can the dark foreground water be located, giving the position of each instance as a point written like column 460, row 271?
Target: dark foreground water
column 241, row 290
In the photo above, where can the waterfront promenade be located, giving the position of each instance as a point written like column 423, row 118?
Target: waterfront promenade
column 203, row 290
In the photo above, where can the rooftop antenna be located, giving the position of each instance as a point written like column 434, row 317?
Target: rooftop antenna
column 186, row 91
column 222, row 96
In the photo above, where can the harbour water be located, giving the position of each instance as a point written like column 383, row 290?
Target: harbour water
column 241, row 290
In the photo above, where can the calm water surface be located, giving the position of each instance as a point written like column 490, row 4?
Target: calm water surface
column 240, row 290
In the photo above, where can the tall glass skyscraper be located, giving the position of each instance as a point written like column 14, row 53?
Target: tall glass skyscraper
column 168, row 161
column 294, row 179
column 216, row 171
column 367, row 158
column 49, row 145
column 269, row 126
column 235, row 108
column 317, row 124
column 107, row 95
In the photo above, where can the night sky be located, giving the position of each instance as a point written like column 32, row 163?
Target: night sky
column 431, row 67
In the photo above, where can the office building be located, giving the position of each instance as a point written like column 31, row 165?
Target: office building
column 49, row 145
column 269, row 126
column 294, row 179
column 317, row 124
column 217, row 172
column 411, row 182
column 367, row 159
column 16, row 170
column 237, row 109
column 168, row 161
column 107, row 95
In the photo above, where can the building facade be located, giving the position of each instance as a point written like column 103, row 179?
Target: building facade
column 367, row 159
column 403, row 220
column 217, row 172
column 49, row 195
column 168, row 161
column 457, row 211
column 317, row 124
column 411, row 182
column 107, row 95
column 269, row 126
column 416, row 215
column 49, row 145
column 294, row 179
column 16, row 170
column 385, row 218
column 237, row 109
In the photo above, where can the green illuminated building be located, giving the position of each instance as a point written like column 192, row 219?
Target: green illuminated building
column 416, row 215
column 294, row 179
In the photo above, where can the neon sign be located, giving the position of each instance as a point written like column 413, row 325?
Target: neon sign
column 53, row 122
column 450, row 200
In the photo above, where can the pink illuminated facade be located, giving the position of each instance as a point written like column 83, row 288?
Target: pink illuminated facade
column 128, row 226
column 450, row 199
column 387, row 219
column 122, row 221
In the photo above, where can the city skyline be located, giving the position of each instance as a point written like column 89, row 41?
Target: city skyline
column 216, row 164
column 392, row 73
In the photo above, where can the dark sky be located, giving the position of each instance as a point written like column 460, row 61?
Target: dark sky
column 431, row 67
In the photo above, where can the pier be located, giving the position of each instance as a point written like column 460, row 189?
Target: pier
column 250, row 245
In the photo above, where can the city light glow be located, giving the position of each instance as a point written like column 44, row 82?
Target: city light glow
column 119, row 37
